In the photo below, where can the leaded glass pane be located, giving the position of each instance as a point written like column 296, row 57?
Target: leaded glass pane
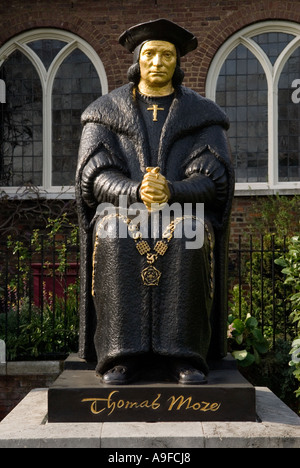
column 47, row 49
column 289, row 122
column 76, row 85
column 273, row 43
column 21, row 137
column 243, row 93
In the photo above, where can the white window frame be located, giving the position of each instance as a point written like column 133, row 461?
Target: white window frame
column 272, row 73
column 47, row 78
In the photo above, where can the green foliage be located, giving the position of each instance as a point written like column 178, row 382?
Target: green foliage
column 276, row 214
column 30, row 331
column 268, row 291
column 246, row 341
column 275, row 373
column 291, row 268
column 263, row 292
column 295, row 362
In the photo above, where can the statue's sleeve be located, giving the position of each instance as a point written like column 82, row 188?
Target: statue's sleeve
column 205, row 176
column 104, row 180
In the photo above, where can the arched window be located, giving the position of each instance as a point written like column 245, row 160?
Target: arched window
column 50, row 77
column 254, row 77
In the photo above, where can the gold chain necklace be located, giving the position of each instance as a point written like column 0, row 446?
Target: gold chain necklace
column 150, row 275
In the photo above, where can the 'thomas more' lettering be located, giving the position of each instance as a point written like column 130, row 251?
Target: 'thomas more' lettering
column 173, row 403
column 98, row 405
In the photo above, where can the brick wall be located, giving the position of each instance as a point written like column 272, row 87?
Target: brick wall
column 241, row 218
column 17, row 379
column 100, row 23
column 14, row 388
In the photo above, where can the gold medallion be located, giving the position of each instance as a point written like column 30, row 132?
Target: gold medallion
column 150, row 276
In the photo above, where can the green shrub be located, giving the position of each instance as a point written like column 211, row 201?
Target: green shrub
column 34, row 332
column 245, row 340
column 274, row 372
column 291, row 268
column 262, row 292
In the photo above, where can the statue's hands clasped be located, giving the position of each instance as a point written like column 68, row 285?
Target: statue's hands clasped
column 154, row 189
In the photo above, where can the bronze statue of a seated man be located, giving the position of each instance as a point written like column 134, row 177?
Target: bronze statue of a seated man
column 156, row 144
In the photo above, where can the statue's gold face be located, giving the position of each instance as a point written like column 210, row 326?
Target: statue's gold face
column 157, row 65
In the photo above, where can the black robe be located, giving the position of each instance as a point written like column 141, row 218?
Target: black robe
column 169, row 319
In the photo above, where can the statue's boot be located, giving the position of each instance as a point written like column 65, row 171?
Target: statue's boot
column 187, row 374
column 122, row 373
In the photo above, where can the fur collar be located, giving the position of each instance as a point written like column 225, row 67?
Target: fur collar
column 118, row 111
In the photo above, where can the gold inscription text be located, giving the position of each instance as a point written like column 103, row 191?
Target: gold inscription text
column 174, row 403
column 188, row 404
column 98, row 405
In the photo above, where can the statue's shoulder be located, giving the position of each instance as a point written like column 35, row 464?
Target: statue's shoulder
column 206, row 107
column 195, row 98
column 106, row 105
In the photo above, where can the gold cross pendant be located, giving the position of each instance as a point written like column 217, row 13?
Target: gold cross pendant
column 155, row 108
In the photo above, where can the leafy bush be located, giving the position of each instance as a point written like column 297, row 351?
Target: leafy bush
column 269, row 290
column 291, row 268
column 262, row 292
column 32, row 331
column 246, row 341
column 276, row 214
column 275, row 373
column 295, row 362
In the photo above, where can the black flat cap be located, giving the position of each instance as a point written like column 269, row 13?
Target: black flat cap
column 159, row 30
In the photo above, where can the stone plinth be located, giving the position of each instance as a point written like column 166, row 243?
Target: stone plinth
column 27, row 426
column 79, row 396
